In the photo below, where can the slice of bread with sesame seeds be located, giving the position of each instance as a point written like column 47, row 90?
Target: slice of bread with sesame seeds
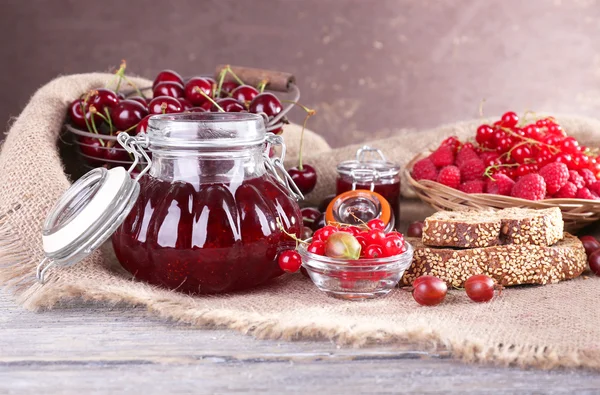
column 511, row 264
column 485, row 228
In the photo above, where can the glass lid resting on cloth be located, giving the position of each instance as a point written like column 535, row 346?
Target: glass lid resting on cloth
column 363, row 169
column 92, row 209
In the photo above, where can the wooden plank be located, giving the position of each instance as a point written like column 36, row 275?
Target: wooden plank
column 96, row 350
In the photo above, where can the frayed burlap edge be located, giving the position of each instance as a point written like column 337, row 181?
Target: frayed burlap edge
column 34, row 296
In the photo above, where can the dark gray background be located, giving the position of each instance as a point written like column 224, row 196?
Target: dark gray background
column 368, row 66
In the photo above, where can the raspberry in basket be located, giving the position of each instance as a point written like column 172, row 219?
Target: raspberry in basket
column 588, row 176
column 568, row 191
column 473, row 186
column 584, row 193
column 501, row 184
column 465, row 154
column 531, row 187
column 443, row 156
column 424, row 170
column 576, row 179
column 449, row 176
column 555, row 175
column 472, row 169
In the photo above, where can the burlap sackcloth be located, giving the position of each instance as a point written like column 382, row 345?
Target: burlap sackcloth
column 545, row 327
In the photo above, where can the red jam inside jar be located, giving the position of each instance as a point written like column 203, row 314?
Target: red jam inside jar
column 208, row 217
column 377, row 175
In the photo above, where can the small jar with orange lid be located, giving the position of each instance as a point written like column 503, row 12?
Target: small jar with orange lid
column 372, row 174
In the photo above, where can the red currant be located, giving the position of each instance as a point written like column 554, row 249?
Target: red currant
column 316, row 247
column 532, row 132
column 393, row 245
column 520, row 153
column 362, row 240
column 375, row 236
column 373, row 251
column 480, row 288
column 324, row 233
column 510, row 119
column 289, row 261
column 556, row 130
column 376, row 224
column 429, row 290
column 504, row 144
column 569, row 145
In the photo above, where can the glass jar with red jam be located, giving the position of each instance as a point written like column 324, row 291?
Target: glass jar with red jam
column 210, row 214
column 373, row 174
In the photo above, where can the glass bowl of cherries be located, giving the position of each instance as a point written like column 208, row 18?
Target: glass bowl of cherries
column 355, row 262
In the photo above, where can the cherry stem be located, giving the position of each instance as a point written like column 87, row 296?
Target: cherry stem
column 139, row 92
column 197, row 89
column 290, row 235
column 235, row 77
column 110, row 124
column 120, row 73
column 221, row 80
column 94, row 125
column 130, row 129
column 309, row 113
column 262, row 85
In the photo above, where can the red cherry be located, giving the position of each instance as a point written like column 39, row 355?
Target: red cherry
column 289, row 261
column 316, row 247
column 480, row 288
column 309, row 215
column 142, row 126
column 265, row 102
column 77, row 111
column 429, row 290
column 244, row 94
column 324, row 233
column 114, row 152
column 376, row 223
column 91, row 147
column 192, row 90
column 168, row 88
column 227, row 87
column 164, row 105
column 139, row 99
column 127, row 114
column 415, row 229
column 102, row 98
column 229, row 104
column 594, row 262
column 305, row 179
column 167, row 75
column 185, row 103
column 484, row 135
column 590, row 244
column 373, row 251
column 96, row 120
column 197, row 109
column 510, row 119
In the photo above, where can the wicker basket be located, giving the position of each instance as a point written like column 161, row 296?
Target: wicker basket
column 577, row 213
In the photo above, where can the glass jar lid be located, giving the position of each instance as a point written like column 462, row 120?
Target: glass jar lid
column 206, row 130
column 91, row 210
column 365, row 169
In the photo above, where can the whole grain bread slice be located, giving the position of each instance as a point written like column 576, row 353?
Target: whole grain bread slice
column 484, row 228
column 510, row 264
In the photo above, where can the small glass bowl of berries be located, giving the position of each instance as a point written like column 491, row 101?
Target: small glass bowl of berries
column 356, row 262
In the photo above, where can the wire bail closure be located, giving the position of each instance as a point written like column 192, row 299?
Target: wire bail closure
column 275, row 166
column 360, row 157
column 135, row 146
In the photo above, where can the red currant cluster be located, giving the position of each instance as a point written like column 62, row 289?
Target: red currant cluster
column 431, row 291
column 592, row 250
column 531, row 160
column 368, row 241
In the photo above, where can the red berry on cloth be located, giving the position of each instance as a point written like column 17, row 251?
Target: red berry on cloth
column 465, row 154
column 568, row 191
column 555, row 175
column 576, row 179
column 588, row 176
column 424, row 170
column 449, row 176
column 473, row 186
column 501, row 184
column 584, row 193
column 443, row 156
column 472, row 169
column 530, row 187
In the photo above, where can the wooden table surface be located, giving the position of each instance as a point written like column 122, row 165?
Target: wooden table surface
column 106, row 350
